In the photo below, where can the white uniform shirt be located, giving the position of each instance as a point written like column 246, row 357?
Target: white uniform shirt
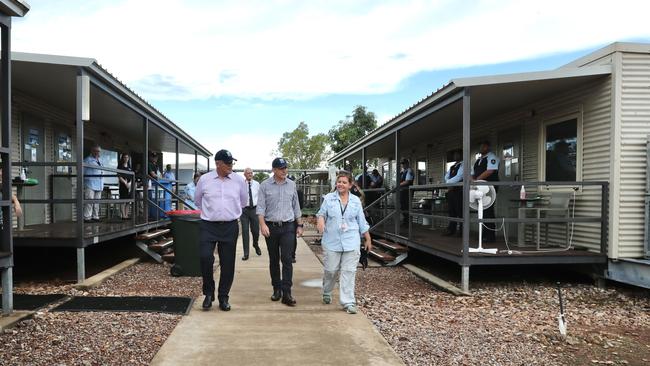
column 255, row 190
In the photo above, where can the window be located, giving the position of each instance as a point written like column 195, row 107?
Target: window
column 561, row 151
column 421, row 171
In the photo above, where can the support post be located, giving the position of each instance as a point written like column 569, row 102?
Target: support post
column 466, row 182
column 398, row 209
column 81, row 265
column 196, row 162
column 176, row 173
column 145, row 170
column 363, row 168
column 7, row 291
column 604, row 218
column 465, row 279
column 79, row 156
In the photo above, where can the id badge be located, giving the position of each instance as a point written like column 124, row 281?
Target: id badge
column 344, row 227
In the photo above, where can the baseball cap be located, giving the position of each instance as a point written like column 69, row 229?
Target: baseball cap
column 279, row 163
column 224, row 155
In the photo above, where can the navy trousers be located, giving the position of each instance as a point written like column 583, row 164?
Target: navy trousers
column 223, row 235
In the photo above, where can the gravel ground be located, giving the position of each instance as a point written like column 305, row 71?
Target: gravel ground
column 96, row 338
column 506, row 323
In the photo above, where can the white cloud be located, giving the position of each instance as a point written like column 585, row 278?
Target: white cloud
column 250, row 149
column 172, row 49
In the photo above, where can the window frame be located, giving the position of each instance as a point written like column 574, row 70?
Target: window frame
column 555, row 119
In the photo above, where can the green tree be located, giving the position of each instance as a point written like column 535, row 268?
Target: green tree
column 301, row 150
column 352, row 128
column 260, row 176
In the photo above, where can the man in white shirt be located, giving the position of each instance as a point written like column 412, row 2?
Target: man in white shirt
column 249, row 217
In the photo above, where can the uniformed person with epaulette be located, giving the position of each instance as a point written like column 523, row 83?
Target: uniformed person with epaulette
column 455, row 194
column 486, row 168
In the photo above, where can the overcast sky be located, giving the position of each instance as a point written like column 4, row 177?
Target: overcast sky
column 237, row 74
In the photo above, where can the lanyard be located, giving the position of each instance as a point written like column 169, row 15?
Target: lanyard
column 343, row 209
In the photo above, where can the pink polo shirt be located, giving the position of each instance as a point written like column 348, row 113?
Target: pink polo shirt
column 221, row 199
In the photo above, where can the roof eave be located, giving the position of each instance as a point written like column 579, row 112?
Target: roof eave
column 395, row 121
column 634, row 47
column 106, row 76
column 14, row 8
column 533, row 76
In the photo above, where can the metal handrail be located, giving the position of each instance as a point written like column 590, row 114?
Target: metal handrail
column 602, row 218
column 383, row 196
column 177, row 197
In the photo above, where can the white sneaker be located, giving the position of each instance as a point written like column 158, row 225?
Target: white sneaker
column 351, row 309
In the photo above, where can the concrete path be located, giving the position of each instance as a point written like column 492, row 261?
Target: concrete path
column 258, row 331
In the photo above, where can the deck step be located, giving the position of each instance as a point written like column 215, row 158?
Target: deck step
column 153, row 234
column 169, row 257
column 398, row 248
column 381, row 255
column 162, row 244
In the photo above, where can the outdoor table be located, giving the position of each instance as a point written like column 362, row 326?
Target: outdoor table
column 526, row 204
column 20, row 184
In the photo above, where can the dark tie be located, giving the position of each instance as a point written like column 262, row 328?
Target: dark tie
column 250, row 195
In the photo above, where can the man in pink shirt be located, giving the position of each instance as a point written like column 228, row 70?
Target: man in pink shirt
column 220, row 195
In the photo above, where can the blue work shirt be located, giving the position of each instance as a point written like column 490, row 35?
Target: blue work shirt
column 335, row 238
column 94, row 183
column 459, row 174
column 190, row 189
column 169, row 175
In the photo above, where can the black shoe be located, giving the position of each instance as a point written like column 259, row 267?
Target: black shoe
column 207, row 302
column 288, row 300
column 277, row 294
column 224, row 306
column 258, row 251
column 89, row 221
column 97, row 220
column 244, row 258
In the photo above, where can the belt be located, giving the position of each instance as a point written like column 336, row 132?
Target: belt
column 220, row 222
column 278, row 223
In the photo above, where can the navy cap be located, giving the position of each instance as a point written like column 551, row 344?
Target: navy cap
column 279, row 163
column 224, row 155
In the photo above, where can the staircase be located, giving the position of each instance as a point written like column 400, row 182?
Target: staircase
column 388, row 252
column 157, row 244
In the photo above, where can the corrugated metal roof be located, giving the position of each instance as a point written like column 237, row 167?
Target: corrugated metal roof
column 99, row 71
column 456, row 85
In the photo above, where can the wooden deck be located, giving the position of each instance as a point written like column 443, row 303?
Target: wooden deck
column 451, row 248
column 64, row 234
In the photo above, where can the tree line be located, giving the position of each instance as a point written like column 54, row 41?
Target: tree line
column 303, row 151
